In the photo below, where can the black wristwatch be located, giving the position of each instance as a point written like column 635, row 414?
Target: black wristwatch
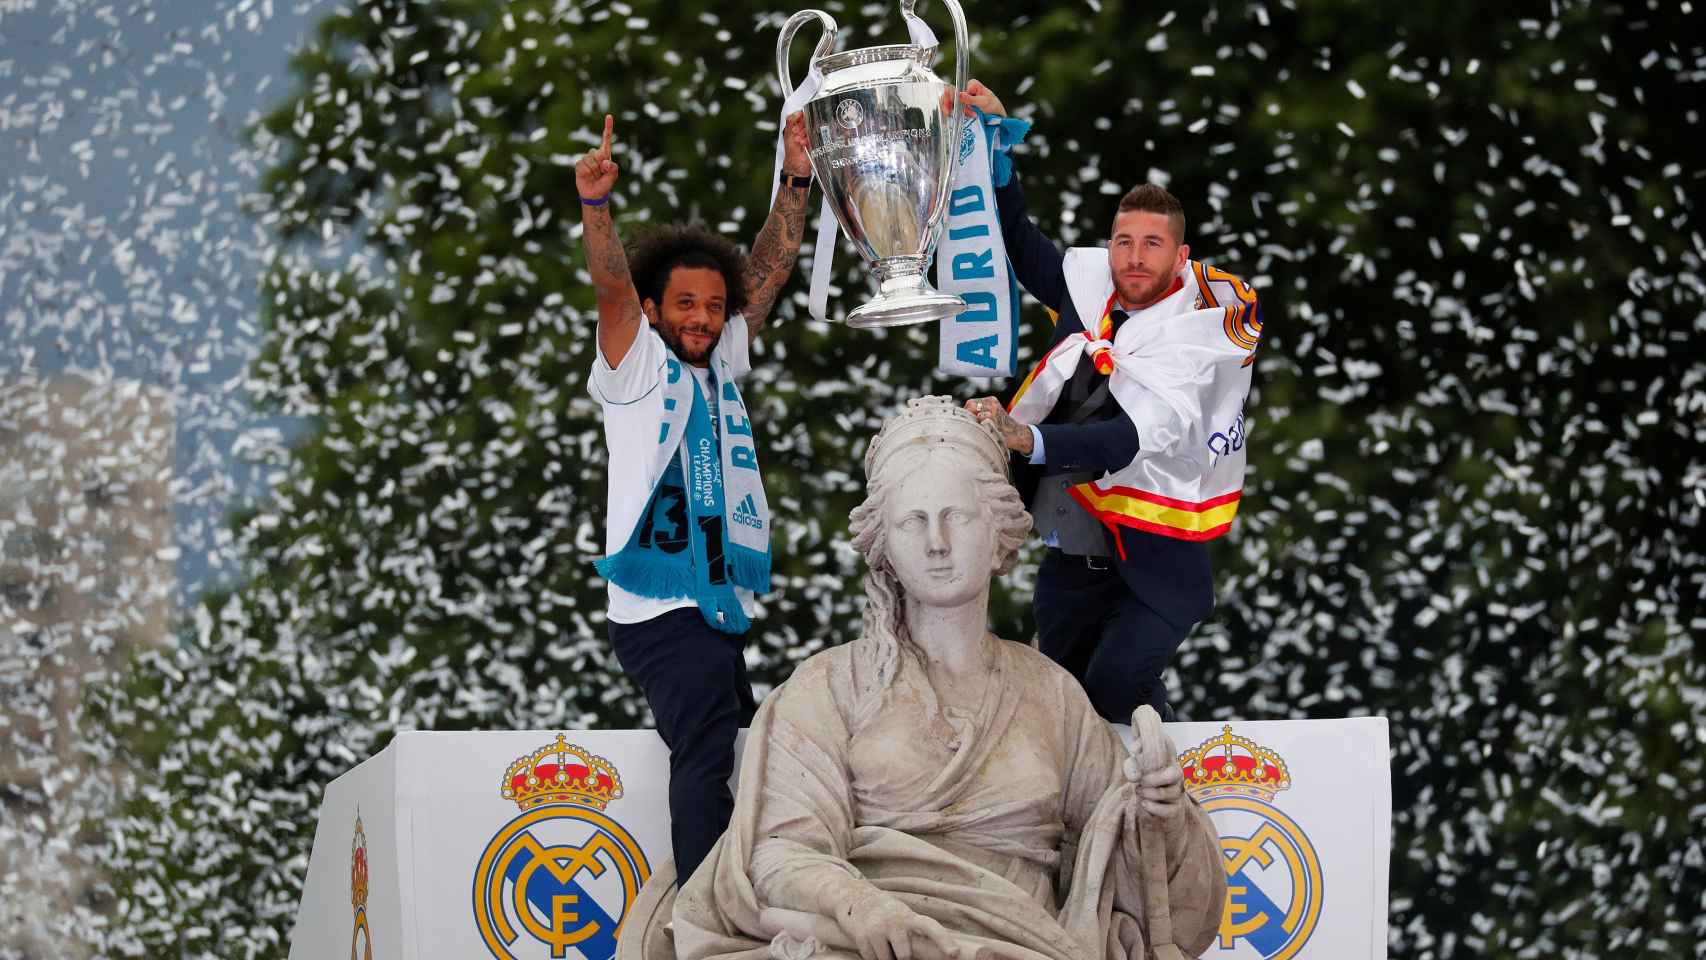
column 789, row 180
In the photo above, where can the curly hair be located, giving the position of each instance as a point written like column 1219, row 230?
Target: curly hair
column 655, row 253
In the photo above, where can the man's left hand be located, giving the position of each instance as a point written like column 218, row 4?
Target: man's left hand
column 1016, row 435
column 796, row 161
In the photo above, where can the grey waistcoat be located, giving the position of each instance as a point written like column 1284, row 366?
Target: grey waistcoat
column 1053, row 508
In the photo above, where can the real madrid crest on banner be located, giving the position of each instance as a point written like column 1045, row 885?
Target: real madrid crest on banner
column 558, row 880
column 1274, row 885
column 361, row 938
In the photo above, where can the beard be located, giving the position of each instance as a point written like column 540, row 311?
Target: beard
column 673, row 337
column 1141, row 291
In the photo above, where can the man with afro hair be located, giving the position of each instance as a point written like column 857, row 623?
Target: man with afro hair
column 687, row 527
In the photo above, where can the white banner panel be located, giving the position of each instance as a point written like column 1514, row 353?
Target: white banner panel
column 1304, row 810
column 532, row 845
column 351, row 903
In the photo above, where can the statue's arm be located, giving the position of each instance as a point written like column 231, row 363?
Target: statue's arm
column 828, row 901
column 805, row 814
column 1196, row 879
column 799, row 875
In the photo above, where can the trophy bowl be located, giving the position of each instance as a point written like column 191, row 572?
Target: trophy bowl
column 881, row 131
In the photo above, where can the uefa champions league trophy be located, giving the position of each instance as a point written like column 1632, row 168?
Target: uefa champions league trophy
column 881, row 129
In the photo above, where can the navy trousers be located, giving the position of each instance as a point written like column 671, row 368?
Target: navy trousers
column 1090, row 622
column 694, row 679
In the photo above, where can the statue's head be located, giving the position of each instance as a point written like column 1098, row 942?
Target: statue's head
column 940, row 515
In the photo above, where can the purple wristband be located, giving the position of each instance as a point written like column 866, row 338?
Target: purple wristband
column 601, row 201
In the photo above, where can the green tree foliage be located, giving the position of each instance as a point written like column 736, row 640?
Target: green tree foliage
column 1476, row 476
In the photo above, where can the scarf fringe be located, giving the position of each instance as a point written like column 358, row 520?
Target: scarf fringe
column 749, row 568
column 634, row 573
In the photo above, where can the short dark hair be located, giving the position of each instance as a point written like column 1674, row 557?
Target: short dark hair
column 1153, row 198
column 655, row 253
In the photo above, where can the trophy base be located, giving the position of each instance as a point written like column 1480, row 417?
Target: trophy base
column 904, row 300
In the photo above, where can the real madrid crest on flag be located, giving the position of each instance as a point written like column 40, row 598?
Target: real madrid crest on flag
column 557, row 881
column 1274, row 888
column 361, row 938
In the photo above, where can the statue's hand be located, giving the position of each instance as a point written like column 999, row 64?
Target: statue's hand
column 1160, row 793
column 884, row 928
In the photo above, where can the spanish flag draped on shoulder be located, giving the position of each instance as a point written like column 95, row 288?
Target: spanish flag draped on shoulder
column 1180, row 369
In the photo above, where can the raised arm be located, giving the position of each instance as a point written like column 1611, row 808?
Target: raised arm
column 1036, row 259
column 619, row 316
column 778, row 243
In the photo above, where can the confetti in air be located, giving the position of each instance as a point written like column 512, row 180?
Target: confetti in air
column 296, row 450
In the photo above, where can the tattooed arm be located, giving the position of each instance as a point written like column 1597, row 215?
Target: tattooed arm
column 778, row 243
column 618, row 305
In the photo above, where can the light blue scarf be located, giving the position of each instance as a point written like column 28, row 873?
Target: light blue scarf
column 706, row 527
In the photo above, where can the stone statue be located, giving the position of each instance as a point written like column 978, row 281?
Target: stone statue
column 930, row 790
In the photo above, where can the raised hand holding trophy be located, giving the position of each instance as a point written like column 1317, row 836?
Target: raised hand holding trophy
column 883, row 130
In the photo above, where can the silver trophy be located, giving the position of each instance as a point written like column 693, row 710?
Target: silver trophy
column 882, row 131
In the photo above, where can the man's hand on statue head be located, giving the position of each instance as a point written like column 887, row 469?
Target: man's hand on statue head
column 884, row 928
column 595, row 173
column 796, row 156
column 1016, row 435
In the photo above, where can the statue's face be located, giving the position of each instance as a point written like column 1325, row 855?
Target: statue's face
column 940, row 542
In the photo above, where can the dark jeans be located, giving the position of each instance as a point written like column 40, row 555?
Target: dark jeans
column 1089, row 622
column 694, row 679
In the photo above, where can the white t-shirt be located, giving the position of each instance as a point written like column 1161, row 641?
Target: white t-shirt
column 632, row 397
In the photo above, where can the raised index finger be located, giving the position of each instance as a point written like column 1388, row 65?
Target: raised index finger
column 609, row 126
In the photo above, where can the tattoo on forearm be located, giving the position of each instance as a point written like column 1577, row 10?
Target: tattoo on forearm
column 607, row 262
column 773, row 255
column 1016, row 435
column 605, row 258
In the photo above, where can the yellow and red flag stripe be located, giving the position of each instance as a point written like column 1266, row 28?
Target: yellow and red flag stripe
column 1152, row 512
column 1041, row 365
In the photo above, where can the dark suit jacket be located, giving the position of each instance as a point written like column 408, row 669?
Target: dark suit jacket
column 1172, row 576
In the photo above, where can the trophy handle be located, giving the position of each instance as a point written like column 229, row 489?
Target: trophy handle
column 908, row 9
column 825, row 44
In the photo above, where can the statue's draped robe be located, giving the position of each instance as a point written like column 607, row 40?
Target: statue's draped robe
column 967, row 819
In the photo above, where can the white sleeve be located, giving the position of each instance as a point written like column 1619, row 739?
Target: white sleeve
column 735, row 346
column 639, row 373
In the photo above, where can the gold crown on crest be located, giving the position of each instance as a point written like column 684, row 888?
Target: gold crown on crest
column 561, row 773
column 927, row 422
column 358, row 866
column 1229, row 763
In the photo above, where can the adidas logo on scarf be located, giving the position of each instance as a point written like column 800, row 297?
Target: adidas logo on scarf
column 746, row 514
